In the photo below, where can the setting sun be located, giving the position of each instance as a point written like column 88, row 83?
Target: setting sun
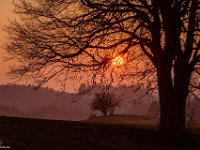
column 118, row 61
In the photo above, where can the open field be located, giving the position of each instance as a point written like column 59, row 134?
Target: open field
column 127, row 120
column 35, row 134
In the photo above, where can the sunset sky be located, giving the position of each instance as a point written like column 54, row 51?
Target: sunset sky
column 5, row 14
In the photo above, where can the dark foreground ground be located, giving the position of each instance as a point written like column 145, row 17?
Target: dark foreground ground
column 35, row 134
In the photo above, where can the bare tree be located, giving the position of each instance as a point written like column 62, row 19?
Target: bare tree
column 100, row 103
column 159, row 41
column 105, row 102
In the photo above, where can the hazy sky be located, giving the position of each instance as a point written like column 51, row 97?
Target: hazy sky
column 5, row 13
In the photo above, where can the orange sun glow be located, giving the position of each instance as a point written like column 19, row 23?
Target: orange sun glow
column 118, row 61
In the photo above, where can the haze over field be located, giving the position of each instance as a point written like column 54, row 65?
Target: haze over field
column 46, row 103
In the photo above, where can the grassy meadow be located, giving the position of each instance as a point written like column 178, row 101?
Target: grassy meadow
column 102, row 133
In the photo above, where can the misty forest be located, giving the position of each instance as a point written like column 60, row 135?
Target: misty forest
column 138, row 58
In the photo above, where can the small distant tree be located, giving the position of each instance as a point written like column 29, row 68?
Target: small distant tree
column 113, row 103
column 104, row 102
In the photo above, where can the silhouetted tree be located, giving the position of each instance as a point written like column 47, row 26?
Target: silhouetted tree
column 158, row 39
column 105, row 102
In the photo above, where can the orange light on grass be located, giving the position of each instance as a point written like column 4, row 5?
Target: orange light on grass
column 117, row 61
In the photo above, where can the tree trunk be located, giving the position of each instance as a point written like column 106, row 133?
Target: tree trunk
column 111, row 111
column 104, row 112
column 173, row 93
